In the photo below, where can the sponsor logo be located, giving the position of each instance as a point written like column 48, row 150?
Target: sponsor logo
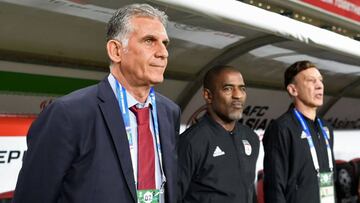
column 303, row 135
column 218, row 152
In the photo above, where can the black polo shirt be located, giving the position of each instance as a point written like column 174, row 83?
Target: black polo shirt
column 289, row 172
column 216, row 165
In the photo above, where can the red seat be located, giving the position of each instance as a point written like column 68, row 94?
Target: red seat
column 260, row 187
column 6, row 195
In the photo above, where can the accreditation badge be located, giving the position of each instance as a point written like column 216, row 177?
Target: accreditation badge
column 326, row 183
column 148, row 196
column 247, row 147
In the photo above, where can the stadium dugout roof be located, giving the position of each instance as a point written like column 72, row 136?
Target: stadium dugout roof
column 70, row 35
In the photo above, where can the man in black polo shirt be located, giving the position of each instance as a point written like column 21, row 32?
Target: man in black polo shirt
column 217, row 156
column 298, row 163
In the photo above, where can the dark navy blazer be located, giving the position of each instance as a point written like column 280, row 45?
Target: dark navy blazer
column 78, row 150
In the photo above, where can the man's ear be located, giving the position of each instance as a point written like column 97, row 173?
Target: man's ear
column 114, row 49
column 291, row 88
column 207, row 95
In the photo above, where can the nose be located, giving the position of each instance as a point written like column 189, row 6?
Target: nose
column 239, row 93
column 162, row 51
column 319, row 84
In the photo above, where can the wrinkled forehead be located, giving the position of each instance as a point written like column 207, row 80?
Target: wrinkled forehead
column 148, row 26
column 140, row 21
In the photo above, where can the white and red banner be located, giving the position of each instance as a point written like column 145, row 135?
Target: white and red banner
column 13, row 130
column 346, row 8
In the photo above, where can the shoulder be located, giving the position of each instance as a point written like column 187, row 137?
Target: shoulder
column 80, row 95
column 76, row 103
column 197, row 133
column 285, row 121
column 168, row 107
column 161, row 99
column 281, row 129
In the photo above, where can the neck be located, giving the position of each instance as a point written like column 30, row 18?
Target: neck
column 140, row 93
column 309, row 112
column 227, row 125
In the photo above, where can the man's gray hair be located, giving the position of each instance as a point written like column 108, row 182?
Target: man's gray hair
column 119, row 25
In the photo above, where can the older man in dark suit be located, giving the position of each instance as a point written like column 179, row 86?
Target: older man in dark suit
column 115, row 141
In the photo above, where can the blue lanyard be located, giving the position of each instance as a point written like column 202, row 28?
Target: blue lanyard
column 300, row 118
column 122, row 100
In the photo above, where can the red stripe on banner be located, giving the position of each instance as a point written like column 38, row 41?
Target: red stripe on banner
column 7, row 195
column 357, row 2
column 346, row 8
column 11, row 125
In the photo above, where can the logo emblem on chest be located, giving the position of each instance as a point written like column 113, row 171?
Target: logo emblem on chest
column 247, row 147
column 218, row 152
column 303, row 135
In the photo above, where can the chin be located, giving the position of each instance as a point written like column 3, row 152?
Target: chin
column 235, row 117
column 156, row 81
column 318, row 104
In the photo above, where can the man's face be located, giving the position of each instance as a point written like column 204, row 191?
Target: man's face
column 144, row 59
column 227, row 99
column 309, row 87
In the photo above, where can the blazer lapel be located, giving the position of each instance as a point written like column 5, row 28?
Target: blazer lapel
column 111, row 112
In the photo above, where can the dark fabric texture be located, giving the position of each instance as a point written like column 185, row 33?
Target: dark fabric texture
column 78, row 150
column 289, row 173
column 213, row 165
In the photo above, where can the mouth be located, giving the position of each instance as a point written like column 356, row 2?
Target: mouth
column 158, row 65
column 319, row 95
column 237, row 105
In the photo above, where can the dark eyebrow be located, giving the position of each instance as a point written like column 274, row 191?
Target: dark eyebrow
column 228, row 84
column 152, row 37
column 166, row 42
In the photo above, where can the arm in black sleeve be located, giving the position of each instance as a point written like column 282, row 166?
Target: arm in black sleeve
column 186, row 167
column 276, row 161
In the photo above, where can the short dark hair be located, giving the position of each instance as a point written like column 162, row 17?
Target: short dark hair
column 294, row 69
column 210, row 76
